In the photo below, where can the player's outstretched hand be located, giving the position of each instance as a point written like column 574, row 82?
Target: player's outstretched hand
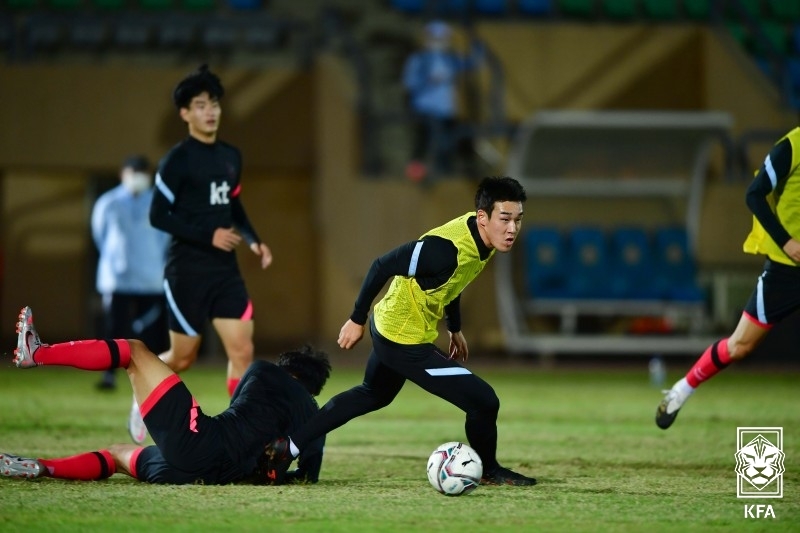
column 225, row 239
column 262, row 250
column 350, row 334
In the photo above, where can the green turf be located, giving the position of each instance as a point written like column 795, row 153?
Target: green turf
column 588, row 436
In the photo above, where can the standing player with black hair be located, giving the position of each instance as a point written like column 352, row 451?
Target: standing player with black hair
column 198, row 201
column 428, row 276
column 191, row 447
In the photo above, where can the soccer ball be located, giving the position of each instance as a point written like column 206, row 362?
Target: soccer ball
column 454, row 469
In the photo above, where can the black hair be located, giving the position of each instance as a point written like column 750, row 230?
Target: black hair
column 308, row 366
column 198, row 82
column 137, row 162
column 498, row 189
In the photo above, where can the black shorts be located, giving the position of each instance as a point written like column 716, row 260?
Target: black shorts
column 194, row 299
column 189, row 445
column 777, row 294
column 390, row 364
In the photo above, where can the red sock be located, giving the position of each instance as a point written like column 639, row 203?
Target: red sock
column 714, row 359
column 232, row 383
column 86, row 466
column 87, row 355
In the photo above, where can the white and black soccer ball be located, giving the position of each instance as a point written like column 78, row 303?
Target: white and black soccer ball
column 455, row 469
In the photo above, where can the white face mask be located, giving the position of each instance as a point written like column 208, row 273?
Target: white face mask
column 136, row 182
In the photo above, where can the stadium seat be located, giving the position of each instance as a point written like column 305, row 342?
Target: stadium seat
column 661, row 10
column 619, row 9
column 109, row 5
column 776, row 35
column 536, row 8
column 587, row 263
column 65, row 5
column 632, row 264
column 785, row 10
column 244, row 5
column 675, row 266
column 261, row 35
column 545, row 262
column 43, row 33
column 6, row 32
column 21, row 4
column 751, row 7
column 198, row 5
column 699, row 10
column 88, row 33
column 414, row 7
column 176, row 32
column 219, row 36
column 156, row 5
column 493, row 8
column 577, row 8
column 132, row 33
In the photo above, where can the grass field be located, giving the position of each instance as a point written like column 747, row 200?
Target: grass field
column 587, row 435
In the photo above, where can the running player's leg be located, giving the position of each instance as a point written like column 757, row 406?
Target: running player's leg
column 431, row 369
column 231, row 314
column 380, row 386
column 187, row 308
column 237, row 339
column 776, row 296
column 183, row 350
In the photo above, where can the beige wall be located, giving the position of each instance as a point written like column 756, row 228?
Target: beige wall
column 298, row 132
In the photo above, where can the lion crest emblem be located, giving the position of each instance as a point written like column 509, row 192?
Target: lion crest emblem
column 759, row 462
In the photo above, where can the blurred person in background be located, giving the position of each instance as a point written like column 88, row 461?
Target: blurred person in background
column 774, row 199
column 132, row 256
column 198, row 202
column 431, row 78
column 191, row 447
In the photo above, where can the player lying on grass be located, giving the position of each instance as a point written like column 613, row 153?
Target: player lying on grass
column 190, row 446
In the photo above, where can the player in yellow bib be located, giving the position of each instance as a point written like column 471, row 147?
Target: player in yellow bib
column 428, row 276
column 774, row 199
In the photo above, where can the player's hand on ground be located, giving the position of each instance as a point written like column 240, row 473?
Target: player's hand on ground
column 225, row 239
column 350, row 334
column 792, row 249
column 262, row 250
column 458, row 346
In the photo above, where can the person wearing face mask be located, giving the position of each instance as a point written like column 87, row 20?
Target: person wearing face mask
column 132, row 255
column 431, row 77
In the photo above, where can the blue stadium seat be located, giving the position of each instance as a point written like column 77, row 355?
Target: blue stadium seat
column 588, row 263
column 536, row 8
column 491, row 7
column 545, row 262
column 409, row 6
column 676, row 272
column 632, row 263
column 244, row 5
